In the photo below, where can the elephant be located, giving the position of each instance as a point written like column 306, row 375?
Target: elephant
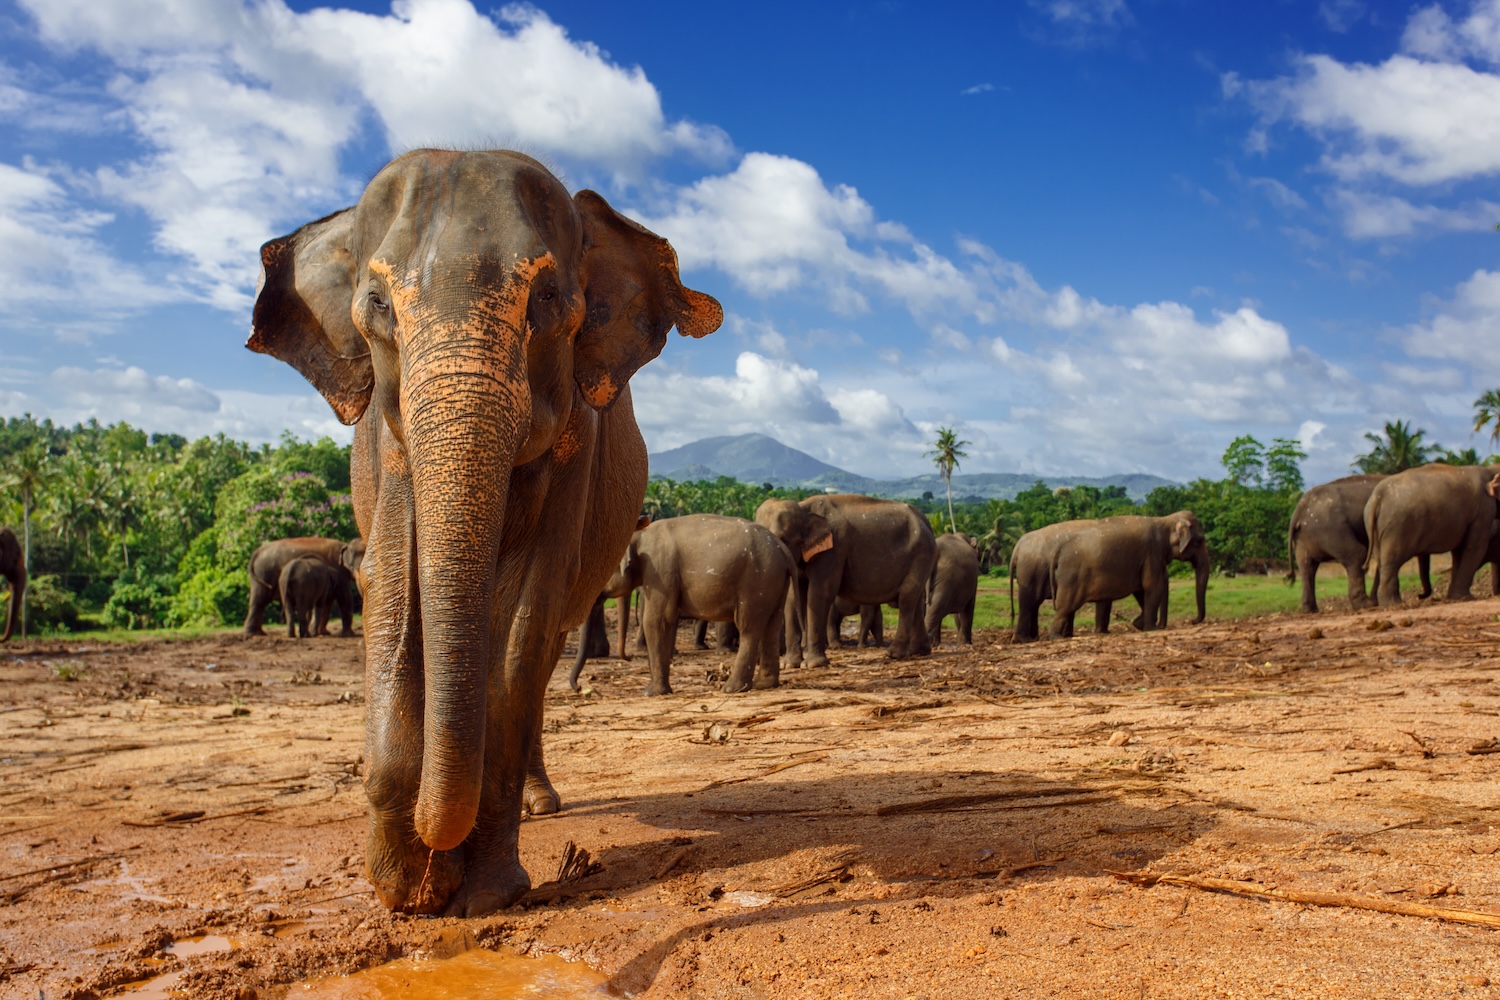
column 308, row 586
column 714, row 568
column 1104, row 560
column 1431, row 508
column 871, row 622
column 726, row 635
column 479, row 326
column 954, row 587
column 1329, row 526
column 867, row 550
column 270, row 558
column 13, row 568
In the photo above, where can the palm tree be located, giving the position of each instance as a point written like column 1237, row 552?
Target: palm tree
column 29, row 473
column 995, row 545
column 945, row 453
column 1487, row 411
column 1401, row 448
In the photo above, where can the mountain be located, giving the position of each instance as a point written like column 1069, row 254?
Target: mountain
column 756, row 458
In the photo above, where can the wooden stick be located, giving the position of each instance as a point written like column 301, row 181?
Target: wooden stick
column 950, row 802
column 672, row 862
column 1340, row 899
column 767, row 772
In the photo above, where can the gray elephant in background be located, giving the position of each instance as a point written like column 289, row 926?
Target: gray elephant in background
column 13, row 568
column 954, row 587
column 871, row 622
column 1329, row 526
column 867, row 550
column 270, row 558
column 308, row 587
column 712, row 568
column 1104, row 560
column 1432, row 508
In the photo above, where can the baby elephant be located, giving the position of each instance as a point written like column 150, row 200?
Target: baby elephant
column 718, row 569
column 308, row 587
column 953, row 588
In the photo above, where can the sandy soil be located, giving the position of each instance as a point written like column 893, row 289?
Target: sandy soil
column 945, row 827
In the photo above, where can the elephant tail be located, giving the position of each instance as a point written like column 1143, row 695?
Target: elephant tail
column 1013, row 590
column 1372, row 532
column 1291, row 551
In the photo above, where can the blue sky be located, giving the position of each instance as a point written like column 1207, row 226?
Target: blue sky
column 1096, row 236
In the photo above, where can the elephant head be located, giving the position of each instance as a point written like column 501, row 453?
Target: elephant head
column 806, row 533
column 352, row 557
column 459, row 311
column 1185, row 534
column 13, row 568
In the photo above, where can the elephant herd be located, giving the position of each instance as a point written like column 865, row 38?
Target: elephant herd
column 782, row 582
column 308, row 576
column 1375, row 524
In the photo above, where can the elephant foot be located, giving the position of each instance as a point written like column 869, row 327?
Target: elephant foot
column 818, row 660
column 255, row 631
column 424, row 883
column 539, row 798
column 736, row 685
column 765, row 682
column 487, row 890
column 652, row 690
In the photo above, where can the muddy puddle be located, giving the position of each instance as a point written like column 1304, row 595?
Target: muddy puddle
column 472, row 975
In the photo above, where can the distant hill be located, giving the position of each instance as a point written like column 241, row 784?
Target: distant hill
column 756, row 458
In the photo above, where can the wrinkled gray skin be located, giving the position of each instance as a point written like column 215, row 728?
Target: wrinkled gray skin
column 13, row 568
column 1432, row 508
column 1105, row 560
column 954, row 588
column 871, row 622
column 867, row 550
column 717, row 569
column 307, row 588
column 1329, row 526
column 270, row 558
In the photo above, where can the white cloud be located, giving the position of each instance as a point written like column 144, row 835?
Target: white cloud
column 978, row 88
column 244, row 109
column 1373, row 216
column 1431, row 33
column 1082, row 23
column 774, row 226
column 859, row 429
column 160, row 403
column 1462, row 329
column 1341, row 15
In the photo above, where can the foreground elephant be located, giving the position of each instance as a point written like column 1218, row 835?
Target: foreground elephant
column 481, row 326
column 270, row 558
column 1432, row 508
column 866, row 550
column 308, row 587
column 712, row 568
column 1329, row 526
column 1104, row 560
column 13, row 568
column 954, row 587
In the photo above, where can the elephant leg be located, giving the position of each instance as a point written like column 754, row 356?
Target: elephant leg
column 871, row 625
column 344, row 595
column 1307, row 568
column 1355, row 573
column 1101, row 616
column 1388, row 576
column 592, row 628
column 1064, row 607
column 768, row 674
column 260, row 596
column 791, row 613
column 538, row 797
column 660, row 626
column 820, row 597
column 742, row 673
column 1027, row 627
column 934, row 625
column 640, row 621
column 965, row 621
column 1466, row 563
column 700, row 634
column 1424, row 570
column 911, row 635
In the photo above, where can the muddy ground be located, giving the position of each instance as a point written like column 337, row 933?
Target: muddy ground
column 937, row 828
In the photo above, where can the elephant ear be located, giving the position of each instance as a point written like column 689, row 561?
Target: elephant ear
column 818, row 537
column 1181, row 536
column 632, row 297
column 302, row 313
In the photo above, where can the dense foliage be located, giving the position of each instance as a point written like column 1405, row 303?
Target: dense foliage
column 141, row 530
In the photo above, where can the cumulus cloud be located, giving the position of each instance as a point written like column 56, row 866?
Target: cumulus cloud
column 1462, row 329
column 244, row 110
column 855, row 428
column 1367, row 215
column 162, row 403
column 1082, row 23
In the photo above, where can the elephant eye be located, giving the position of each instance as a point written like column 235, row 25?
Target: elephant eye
column 547, row 295
column 378, row 303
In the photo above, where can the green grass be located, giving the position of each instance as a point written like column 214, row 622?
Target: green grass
column 93, row 631
column 1229, row 597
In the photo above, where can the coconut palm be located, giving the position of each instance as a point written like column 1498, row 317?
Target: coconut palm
column 945, row 453
column 1487, row 412
column 1401, row 448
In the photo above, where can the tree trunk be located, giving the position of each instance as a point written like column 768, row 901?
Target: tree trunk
column 26, row 536
column 952, row 524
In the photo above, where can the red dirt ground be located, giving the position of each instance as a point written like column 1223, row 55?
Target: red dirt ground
column 944, row 827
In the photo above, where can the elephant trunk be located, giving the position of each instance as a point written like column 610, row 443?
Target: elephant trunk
column 466, row 407
column 17, row 580
column 1200, row 583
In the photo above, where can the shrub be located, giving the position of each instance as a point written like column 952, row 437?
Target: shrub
column 139, row 601
column 49, row 606
column 211, row 596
